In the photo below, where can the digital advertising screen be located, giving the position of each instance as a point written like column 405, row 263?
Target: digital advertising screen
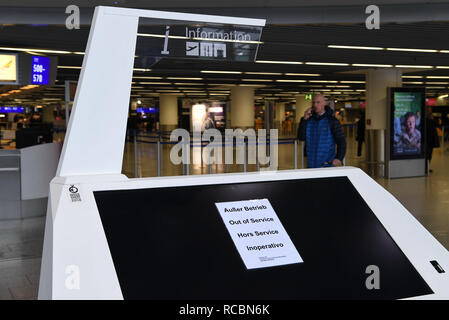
column 8, row 68
column 407, row 123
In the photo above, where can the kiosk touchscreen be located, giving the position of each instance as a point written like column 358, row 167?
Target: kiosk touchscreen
column 331, row 233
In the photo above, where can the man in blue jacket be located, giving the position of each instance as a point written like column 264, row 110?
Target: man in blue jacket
column 322, row 132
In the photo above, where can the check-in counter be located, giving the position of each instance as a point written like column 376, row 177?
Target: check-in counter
column 25, row 175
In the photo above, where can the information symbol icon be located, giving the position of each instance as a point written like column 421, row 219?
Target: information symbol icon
column 73, row 189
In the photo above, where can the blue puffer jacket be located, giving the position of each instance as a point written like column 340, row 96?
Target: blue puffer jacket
column 321, row 134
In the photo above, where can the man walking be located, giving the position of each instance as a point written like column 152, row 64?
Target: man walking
column 322, row 132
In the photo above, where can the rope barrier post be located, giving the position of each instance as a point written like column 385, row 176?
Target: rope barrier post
column 244, row 155
column 296, row 154
column 302, row 154
column 187, row 146
column 159, row 158
column 188, row 163
column 257, row 157
column 442, row 143
column 210, row 165
column 135, row 154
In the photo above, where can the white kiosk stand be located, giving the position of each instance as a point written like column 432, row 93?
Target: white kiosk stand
column 110, row 237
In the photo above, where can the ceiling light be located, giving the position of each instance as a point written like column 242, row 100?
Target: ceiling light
column 147, row 77
column 292, row 80
column 188, row 84
column 304, row 74
column 68, row 67
column 412, row 50
column 437, row 82
column 412, row 82
column 412, row 77
column 36, row 50
column 372, row 65
column 334, row 46
column 154, row 82
column 327, row 63
column 260, row 80
column 442, row 67
column 279, row 62
column 437, row 77
column 413, row 66
column 323, row 81
column 219, row 71
column 265, row 73
column 180, row 78
column 352, row 81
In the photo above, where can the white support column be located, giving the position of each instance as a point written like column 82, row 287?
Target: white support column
column 242, row 107
column 47, row 114
column 168, row 112
column 377, row 82
column 301, row 107
column 279, row 115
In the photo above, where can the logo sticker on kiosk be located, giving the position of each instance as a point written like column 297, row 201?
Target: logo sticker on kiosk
column 258, row 234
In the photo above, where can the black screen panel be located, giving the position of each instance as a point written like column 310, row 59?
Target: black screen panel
column 171, row 243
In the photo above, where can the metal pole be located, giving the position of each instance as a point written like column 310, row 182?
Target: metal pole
column 135, row 155
column 244, row 155
column 187, row 148
column 257, row 156
column 442, row 143
column 159, row 157
column 302, row 154
column 296, row 154
column 67, row 102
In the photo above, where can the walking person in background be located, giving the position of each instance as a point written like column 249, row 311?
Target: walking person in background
column 322, row 132
column 432, row 139
column 360, row 133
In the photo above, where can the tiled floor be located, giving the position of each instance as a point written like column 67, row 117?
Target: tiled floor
column 21, row 241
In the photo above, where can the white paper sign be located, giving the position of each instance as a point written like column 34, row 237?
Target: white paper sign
column 258, row 234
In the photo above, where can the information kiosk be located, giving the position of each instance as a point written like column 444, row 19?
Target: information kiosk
column 302, row 234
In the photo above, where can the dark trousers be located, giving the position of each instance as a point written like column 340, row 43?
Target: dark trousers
column 359, row 148
column 429, row 154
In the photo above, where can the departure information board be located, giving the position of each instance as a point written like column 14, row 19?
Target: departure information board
column 40, row 70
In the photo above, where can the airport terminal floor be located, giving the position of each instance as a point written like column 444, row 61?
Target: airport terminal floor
column 21, row 240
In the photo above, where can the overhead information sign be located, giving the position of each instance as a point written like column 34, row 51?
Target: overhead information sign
column 8, row 68
column 40, row 70
column 215, row 42
column 258, row 234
